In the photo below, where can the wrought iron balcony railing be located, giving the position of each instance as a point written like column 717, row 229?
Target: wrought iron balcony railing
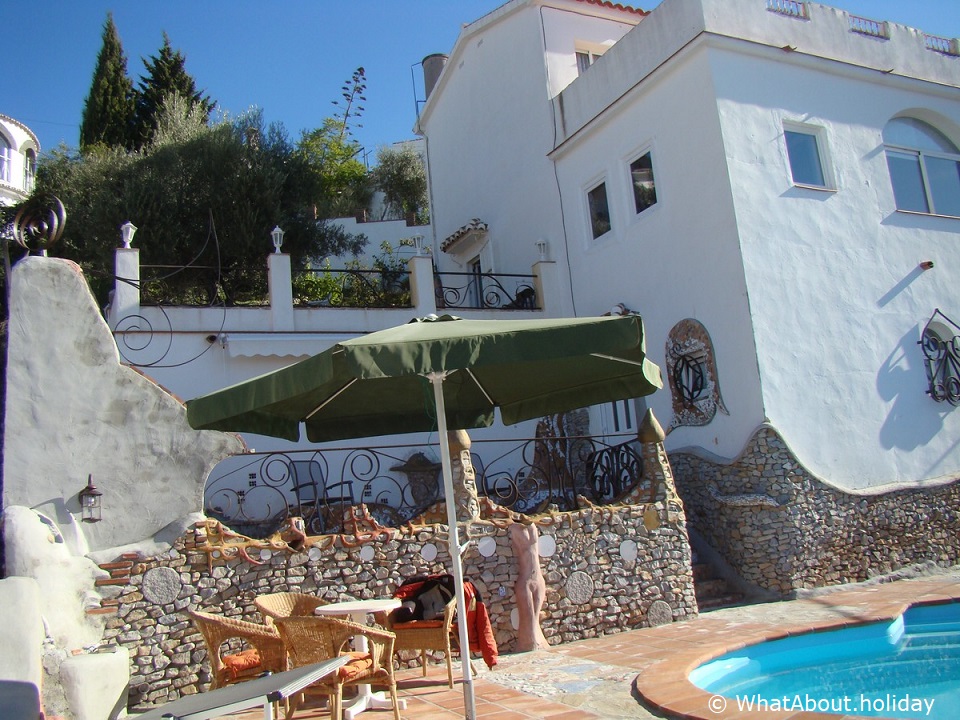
column 486, row 291
column 255, row 494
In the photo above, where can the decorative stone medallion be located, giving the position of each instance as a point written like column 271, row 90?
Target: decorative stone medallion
column 161, row 585
column 487, row 546
column 579, row 588
column 367, row 553
column 660, row 613
column 628, row 550
column 429, row 552
column 546, row 546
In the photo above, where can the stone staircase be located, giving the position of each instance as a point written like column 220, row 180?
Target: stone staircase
column 712, row 591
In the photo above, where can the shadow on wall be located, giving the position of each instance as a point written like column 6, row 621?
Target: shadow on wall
column 902, row 381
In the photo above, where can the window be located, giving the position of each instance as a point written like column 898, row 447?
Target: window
column 29, row 170
column 924, row 167
column 599, row 210
column 804, row 154
column 6, row 155
column 644, row 189
column 475, row 268
column 585, row 58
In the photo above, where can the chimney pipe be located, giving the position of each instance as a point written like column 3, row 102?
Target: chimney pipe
column 432, row 67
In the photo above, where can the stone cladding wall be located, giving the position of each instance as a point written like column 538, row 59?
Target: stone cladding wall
column 782, row 529
column 607, row 569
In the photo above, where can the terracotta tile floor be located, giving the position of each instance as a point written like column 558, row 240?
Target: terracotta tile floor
column 643, row 673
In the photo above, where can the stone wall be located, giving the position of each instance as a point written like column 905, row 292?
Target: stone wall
column 782, row 529
column 606, row 568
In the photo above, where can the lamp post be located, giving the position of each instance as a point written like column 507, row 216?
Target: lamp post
column 90, row 502
column 277, row 235
column 127, row 231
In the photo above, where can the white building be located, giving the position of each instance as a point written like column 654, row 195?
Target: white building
column 19, row 148
column 774, row 186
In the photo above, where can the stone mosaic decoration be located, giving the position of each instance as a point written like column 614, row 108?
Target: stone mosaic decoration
column 692, row 375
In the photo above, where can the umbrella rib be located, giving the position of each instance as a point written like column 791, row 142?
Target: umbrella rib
column 329, row 400
column 482, row 388
column 617, row 359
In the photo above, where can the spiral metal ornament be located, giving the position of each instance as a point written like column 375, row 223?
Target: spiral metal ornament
column 39, row 223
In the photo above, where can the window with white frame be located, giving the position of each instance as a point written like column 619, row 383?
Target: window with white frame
column 806, row 153
column 641, row 178
column 585, row 58
column 599, row 210
column 924, row 167
column 6, row 157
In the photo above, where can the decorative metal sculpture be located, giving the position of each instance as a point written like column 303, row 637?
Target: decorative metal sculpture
column 940, row 342
column 39, row 223
column 692, row 375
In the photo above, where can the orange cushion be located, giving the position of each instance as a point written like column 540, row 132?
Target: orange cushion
column 418, row 625
column 246, row 660
column 359, row 664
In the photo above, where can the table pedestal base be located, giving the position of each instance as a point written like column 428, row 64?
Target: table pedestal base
column 369, row 701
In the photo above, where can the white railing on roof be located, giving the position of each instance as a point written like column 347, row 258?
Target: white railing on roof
column 791, row 8
column 866, row 26
column 947, row 46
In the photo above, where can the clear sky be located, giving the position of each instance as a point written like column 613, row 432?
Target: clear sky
column 288, row 57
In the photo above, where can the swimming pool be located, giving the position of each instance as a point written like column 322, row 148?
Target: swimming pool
column 905, row 668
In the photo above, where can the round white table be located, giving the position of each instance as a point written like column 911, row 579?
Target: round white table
column 358, row 610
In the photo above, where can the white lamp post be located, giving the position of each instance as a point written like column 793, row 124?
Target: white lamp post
column 127, row 231
column 277, row 235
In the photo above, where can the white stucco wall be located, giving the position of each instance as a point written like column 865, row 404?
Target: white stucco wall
column 73, row 410
column 836, row 300
column 15, row 185
column 679, row 258
column 837, row 297
column 489, row 119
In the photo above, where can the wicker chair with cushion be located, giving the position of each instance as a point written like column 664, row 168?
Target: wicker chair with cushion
column 425, row 635
column 264, row 652
column 314, row 639
column 286, row 604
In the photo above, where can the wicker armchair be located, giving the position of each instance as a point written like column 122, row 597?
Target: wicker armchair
column 286, row 604
column 424, row 635
column 314, row 639
column 265, row 654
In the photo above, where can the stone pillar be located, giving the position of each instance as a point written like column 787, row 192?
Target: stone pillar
column 280, row 280
column 422, row 293
column 656, row 464
column 464, row 477
column 531, row 589
column 126, row 288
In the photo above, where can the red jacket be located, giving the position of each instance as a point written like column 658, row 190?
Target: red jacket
column 479, row 630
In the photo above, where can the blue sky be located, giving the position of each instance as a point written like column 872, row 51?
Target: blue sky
column 288, row 57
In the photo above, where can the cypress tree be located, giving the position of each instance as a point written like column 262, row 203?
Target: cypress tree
column 166, row 76
column 109, row 108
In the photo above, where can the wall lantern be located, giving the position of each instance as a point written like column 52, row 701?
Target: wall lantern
column 90, row 502
column 542, row 248
column 127, row 231
column 277, row 235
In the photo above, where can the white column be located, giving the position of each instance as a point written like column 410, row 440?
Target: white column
column 126, row 285
column 280, row 280
column 553, row 295
column 422, row 293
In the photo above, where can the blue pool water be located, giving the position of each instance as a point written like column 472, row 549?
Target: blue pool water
column 905, row 668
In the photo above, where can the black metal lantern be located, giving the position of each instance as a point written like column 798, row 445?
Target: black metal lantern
column 90, row 502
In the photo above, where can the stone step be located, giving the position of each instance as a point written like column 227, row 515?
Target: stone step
column 711, row 588
column 719, row 601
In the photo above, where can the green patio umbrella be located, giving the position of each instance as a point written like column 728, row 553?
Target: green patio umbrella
column 437, row 374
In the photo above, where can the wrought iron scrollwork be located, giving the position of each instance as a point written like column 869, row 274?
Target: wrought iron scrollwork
column 39, row 223
column 940, row 342
column 256, row 494
column 486, row 291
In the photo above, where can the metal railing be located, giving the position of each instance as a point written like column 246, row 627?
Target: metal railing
column 486, row 291
column 352, row 288
column 255, row 494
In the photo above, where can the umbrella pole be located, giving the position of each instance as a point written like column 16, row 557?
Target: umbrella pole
column 436, row 379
